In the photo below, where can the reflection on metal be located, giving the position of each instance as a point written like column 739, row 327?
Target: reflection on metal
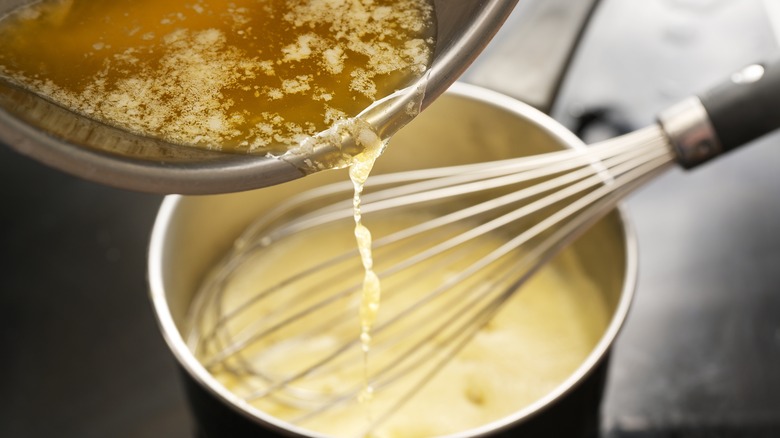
column 749, row 74
column 690, row 132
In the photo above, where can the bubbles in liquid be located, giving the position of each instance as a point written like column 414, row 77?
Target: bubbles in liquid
column 243, row 76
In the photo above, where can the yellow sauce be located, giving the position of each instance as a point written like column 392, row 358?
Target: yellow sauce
column 540, row 336
column 246, row 75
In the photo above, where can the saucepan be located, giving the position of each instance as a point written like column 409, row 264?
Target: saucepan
column 466, row 124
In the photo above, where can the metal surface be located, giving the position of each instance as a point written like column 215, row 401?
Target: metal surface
column 100, row 153
column 700, row 351
column 690, row 132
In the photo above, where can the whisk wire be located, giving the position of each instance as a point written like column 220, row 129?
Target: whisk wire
column 568, row 192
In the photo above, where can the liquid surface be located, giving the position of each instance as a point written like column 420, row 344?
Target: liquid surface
column 536, row 341
column 246, row 75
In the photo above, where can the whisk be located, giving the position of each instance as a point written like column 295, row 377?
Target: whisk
column 485, row 229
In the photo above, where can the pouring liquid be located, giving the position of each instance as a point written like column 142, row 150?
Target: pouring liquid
column 372, row 289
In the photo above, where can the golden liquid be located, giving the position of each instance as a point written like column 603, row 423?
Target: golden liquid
column 245, row 75
column 371, row 294
column 537, row 340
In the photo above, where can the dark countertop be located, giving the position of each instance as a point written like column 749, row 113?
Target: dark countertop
column 699, row 356
column 82, row 356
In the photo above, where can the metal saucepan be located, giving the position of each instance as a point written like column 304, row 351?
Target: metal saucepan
column 466, row 124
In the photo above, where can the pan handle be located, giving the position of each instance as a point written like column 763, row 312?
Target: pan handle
column 529, row 56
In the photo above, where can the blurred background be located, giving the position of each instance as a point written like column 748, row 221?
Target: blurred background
column 700, row 353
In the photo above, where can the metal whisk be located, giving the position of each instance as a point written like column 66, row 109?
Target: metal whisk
column 485, row 229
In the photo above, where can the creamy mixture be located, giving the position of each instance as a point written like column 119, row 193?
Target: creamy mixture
column 533, row 344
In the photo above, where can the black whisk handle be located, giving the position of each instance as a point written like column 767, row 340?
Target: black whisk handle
column 746, row 106
column 739, row 110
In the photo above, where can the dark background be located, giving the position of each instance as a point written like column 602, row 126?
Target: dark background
column 80, row 354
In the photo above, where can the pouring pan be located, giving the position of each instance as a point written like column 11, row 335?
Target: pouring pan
column 75, row 144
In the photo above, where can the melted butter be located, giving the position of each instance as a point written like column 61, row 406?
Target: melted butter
column 359, row 171
column 245, row 76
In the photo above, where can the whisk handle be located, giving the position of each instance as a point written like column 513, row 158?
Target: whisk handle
column 739, row 110
column 746, row 106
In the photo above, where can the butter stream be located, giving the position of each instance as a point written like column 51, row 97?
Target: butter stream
column 359, row 171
